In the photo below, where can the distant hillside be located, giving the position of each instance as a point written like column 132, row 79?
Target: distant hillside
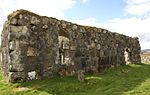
column 146, row 50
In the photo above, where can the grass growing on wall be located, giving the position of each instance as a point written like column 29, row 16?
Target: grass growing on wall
column 125, row 80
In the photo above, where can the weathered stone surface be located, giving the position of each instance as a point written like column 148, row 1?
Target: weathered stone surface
column 36, row 47
column 13, row 21
column 34, row 20
column 145, row 59
column 81, row 76
column 17, row 76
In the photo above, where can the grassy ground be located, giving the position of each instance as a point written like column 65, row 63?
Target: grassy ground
column 125, row 80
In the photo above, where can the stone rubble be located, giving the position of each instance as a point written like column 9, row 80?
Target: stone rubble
column 145, row 59
column 48, row 47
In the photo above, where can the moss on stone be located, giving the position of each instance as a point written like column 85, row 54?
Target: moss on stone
column 21, row 11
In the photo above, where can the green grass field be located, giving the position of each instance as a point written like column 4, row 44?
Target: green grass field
column 125, row 80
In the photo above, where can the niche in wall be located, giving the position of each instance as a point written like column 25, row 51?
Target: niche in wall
column 64, row 48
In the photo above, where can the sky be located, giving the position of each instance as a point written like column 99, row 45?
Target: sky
column 129, row 17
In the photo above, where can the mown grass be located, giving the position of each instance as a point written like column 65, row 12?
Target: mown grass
column 125, row 80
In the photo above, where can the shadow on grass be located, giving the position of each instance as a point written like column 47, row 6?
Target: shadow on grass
column 114, row 81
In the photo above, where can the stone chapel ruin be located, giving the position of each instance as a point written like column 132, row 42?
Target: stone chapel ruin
column 37, row 47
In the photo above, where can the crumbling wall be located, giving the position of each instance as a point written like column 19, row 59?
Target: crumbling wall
column 36, row 47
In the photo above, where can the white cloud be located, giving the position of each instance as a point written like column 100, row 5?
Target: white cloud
column 84, row 1
column 136, row 1
column 54, row 8
column 133, row 27
column 138, row 7
column 130, row 26
column 145, row 44
column 88, row 21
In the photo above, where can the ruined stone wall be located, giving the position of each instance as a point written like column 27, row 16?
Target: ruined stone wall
column 36, row 47
column 145, row 57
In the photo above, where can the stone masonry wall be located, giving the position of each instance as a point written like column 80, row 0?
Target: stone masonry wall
column 37, row 47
